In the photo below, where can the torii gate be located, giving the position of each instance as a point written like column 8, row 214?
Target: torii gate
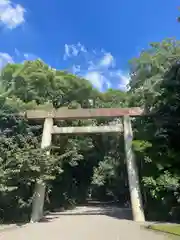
column 80, row 113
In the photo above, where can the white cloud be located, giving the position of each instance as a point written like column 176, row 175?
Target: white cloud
column 124, row 81
column 30, row 56
column 107, row 60
column 76, row 69
column 123, row 78
column 19, row 56
column 17, row 53
column 11, row 15
column 91, row 65
column 5, row 58
column 72, row 50
column 82, row 47
column 99, row 67
column 97, row 79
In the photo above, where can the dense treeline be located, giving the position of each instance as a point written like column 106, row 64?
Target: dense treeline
column 95, row 163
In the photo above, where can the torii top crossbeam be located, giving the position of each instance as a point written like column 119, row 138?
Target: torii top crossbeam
column 80, row 113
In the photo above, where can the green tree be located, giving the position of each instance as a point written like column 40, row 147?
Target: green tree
column 29, row 86
column 154, row 83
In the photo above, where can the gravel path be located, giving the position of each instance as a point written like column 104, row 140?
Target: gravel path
column 83, row 223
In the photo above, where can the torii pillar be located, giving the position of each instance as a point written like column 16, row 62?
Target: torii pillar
column 40, row 187
column 134, row 188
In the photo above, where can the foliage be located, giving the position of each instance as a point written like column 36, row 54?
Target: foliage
column 155, row 86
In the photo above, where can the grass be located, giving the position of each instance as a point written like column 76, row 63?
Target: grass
column 166, row 228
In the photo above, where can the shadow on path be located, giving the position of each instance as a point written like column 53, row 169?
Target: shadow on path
column 110, row 211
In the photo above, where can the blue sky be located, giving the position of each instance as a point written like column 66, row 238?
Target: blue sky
column 94, row 39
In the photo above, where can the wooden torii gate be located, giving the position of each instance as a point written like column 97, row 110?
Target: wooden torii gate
column 64, row 114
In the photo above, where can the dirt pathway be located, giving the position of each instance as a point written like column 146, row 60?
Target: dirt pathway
column 83, row 223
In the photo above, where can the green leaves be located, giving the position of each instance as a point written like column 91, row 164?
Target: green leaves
column 141, row 146
column 159, row 186
column 155, row 85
